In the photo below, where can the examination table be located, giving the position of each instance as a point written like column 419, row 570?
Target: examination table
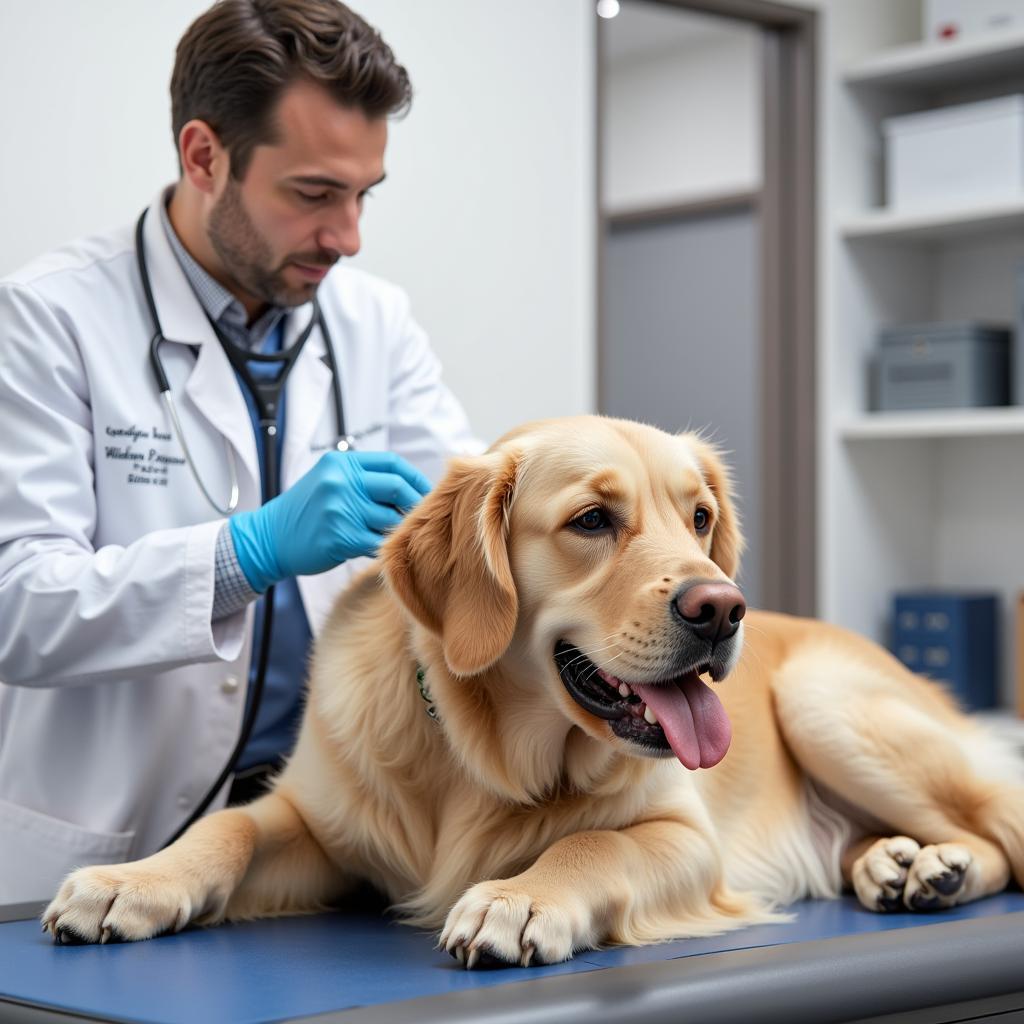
column 836, row 962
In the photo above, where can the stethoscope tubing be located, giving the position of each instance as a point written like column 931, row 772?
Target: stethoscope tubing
column 233, row 496
column 271, row 489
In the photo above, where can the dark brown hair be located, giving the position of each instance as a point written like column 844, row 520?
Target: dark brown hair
column 236, row 59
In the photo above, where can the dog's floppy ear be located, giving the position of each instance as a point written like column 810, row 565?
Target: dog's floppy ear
column 726, row 540
column 448, row 562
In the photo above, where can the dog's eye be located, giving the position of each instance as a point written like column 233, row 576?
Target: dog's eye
column 592, row 520
column 702, row 520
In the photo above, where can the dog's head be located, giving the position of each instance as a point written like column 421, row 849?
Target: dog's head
column 590, row 562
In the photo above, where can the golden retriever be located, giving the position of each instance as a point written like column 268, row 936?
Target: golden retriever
column 564, row 599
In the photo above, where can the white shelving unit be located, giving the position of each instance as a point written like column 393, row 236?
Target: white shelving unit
column 910, row 500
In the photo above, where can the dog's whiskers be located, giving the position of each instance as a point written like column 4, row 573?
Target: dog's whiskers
column 587, row 655
column 597, row 647
column 610, row 660
column 747, row 649
column 752, row 652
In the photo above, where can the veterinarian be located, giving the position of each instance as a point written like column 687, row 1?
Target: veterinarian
column 159, row 385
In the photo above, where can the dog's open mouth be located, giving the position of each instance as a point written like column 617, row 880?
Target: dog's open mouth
column 682, row 714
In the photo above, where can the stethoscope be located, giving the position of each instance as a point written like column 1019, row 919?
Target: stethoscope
column 267, row 396
column 267, row 393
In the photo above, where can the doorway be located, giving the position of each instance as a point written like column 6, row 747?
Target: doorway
column 706, row 254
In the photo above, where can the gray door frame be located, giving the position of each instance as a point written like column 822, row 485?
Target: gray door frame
column 787, row 209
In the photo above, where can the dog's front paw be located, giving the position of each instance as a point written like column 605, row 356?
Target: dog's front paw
column 508, row 923
column 116, row 902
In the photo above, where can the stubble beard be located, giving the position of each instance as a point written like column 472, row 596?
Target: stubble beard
column 245, row 255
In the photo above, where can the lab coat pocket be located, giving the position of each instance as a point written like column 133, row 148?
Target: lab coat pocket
column 37, row 851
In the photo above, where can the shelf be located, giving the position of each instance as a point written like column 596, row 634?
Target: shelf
column 935, row 225
column 1003, row 421
column 939, row 65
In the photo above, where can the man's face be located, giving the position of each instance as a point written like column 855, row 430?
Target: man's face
column 296, row 212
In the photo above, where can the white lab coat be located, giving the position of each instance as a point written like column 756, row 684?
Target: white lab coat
column 122, row 701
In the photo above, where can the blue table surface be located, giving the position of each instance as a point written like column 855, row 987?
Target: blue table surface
column 286, row 967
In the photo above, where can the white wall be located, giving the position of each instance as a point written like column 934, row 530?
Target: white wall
column 487, row 217
column 683, row 111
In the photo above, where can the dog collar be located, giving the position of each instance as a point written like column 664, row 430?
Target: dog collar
column 431, row 708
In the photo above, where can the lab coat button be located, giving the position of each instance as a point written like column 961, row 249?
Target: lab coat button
column 230, row 685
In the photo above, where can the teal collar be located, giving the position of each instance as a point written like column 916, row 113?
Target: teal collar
column 425, row 694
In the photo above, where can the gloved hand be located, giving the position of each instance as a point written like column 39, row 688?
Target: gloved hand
column 339, row 510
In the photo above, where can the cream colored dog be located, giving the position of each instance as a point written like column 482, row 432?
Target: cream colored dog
column 566, row 596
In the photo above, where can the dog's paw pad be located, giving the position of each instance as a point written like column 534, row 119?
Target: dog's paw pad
column 948, row 882
column 921, row 899
column 63, row 936
column 483, row 957
column 886, row 904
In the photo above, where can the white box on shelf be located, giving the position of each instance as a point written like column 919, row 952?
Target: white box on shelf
column 955, row 19
column 971, row 152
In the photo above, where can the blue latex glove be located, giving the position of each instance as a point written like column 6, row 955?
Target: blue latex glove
column 339, row 510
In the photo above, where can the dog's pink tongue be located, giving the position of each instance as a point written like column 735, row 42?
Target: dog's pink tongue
column 692, row 716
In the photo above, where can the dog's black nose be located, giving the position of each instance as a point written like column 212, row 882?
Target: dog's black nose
column 712, row 610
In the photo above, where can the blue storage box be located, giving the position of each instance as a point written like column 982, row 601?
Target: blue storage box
column 951, row 637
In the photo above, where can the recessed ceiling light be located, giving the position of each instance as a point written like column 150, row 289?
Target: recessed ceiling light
column 607, row 8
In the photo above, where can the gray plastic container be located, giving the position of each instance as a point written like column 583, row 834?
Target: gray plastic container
column 943, row 366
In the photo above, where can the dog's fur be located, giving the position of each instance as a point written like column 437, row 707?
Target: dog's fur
column 518, row 821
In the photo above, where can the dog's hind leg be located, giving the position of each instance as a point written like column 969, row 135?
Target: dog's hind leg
column 892, row 746
column 236, row 863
